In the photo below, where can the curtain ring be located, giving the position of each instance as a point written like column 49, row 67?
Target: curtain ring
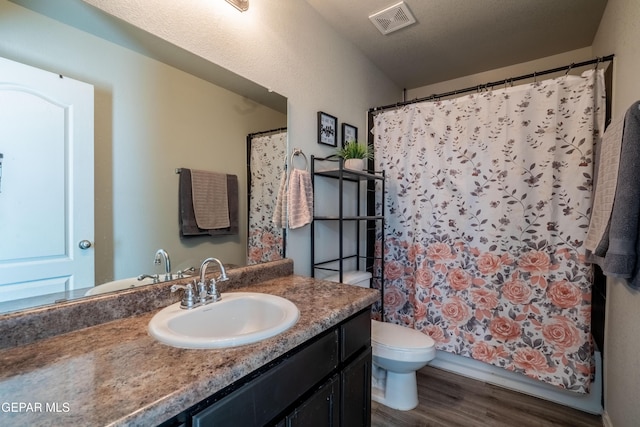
column 569, row 68
column 535, row 77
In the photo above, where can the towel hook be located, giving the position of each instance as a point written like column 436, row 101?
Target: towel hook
column 298, row 152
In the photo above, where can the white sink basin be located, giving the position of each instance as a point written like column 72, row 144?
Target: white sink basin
column 238, row 318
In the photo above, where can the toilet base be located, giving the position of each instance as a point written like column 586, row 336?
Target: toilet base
column 400, row 391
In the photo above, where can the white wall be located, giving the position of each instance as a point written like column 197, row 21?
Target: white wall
column 619, row 33
column 498, row 74
column 150, row 119
column 283, row 45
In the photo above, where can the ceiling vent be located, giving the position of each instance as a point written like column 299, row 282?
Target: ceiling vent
column 392, row 18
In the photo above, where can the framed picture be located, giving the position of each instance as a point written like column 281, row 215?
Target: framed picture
column 327, row 129
column 349, row 133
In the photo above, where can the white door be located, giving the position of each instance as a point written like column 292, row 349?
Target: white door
column 46, row 183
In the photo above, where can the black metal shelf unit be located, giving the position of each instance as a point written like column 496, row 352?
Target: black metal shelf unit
column 365, row 211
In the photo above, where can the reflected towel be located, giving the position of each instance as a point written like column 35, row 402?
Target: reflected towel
column 186, row 217
column 300, row 198
column 210, row 204
column 280, row 212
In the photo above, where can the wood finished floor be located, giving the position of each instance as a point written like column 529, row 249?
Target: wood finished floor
column 449, row 400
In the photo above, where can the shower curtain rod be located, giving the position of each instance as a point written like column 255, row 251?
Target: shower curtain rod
column 497, row 83
column 251, row 135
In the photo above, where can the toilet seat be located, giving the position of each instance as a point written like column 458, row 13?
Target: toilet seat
column 400, row 343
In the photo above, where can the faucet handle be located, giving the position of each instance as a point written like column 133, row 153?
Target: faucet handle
column 188, row 298
column 201, row 291
column 155, row 277
column 213, row 291
column 181, row 273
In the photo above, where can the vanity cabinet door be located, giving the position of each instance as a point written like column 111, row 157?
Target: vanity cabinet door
column 355, row 335
column 355, row 407
column 321, row 409
column 260, row 400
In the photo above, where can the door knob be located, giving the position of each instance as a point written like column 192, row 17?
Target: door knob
column 84, row 244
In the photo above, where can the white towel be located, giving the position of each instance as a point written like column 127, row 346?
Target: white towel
column 280, row 212
column 300, row 198
column 607, row 180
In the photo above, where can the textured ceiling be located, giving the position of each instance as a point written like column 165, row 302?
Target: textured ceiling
column 455, row 38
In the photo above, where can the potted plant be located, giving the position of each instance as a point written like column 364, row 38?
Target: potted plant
column 355, row 155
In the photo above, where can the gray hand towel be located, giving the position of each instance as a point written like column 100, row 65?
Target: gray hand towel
column 620, row 246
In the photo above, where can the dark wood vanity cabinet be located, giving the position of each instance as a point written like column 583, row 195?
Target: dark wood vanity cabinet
column 324, row 382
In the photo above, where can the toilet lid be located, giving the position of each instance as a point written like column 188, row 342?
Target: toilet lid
column 400, row 337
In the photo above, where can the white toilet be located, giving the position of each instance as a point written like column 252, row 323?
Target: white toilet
column 398, row 352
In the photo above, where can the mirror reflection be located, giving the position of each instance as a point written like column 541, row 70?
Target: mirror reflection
column 267, row 177
column 157, row 108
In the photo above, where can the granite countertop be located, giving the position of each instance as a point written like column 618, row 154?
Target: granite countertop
column 116, row 374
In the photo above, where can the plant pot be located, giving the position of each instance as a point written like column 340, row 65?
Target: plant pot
column 355, row 164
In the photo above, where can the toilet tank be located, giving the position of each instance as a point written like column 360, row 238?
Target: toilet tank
column 352, row 277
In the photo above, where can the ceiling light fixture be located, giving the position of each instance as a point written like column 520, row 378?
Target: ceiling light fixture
column 241, row 5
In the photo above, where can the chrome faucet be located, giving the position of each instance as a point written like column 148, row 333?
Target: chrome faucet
column 202, row 293
column 210, row 292
column 161, row 255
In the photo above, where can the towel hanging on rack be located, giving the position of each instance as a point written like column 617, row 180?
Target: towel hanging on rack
column 620, row 246
column 295, row 196
column 187, row 218
column 280, row 211
column 210, row 202
column 300, row 198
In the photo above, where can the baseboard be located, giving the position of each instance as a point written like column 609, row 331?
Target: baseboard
column 471, row 368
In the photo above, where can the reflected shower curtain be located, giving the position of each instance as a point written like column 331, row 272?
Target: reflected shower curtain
column 267, row 160
column 489, row 200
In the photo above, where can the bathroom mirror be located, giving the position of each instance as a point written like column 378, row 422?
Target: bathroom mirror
column 157, row 108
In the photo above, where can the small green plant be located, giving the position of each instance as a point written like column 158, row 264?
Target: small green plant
column 355, row 150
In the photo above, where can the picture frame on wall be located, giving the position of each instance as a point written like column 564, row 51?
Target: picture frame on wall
column 327, row 129
column 349, row 133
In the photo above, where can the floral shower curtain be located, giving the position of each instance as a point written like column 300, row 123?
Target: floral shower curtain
column 267, row 160
column 488, row 201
